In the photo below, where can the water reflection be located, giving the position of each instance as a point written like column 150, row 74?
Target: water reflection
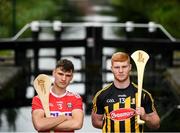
column 16, row 120
column 11, row 116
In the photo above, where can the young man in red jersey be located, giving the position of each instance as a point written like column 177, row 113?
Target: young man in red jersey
column 65, row 107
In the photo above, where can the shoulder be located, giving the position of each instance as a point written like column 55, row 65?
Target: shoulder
column 145, row 93
column 73, row 95
column 143, row 90
column 103, row 91
column 147, row 96
column 36, row 98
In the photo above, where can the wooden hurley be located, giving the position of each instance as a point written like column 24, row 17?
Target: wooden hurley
column 42, row 84
column 140, row 58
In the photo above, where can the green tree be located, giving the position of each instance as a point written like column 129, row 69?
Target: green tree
column 28, row 10
column 5, row 17
column 164, row 12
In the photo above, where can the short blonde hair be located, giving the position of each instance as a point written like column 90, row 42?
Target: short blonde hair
column 120, row 57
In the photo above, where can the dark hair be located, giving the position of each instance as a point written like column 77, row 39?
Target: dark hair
column 65, row 65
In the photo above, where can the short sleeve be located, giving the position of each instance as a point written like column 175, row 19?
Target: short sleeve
column 148, row 103
column 98, row 105
column 78, row 102
column 36, row 103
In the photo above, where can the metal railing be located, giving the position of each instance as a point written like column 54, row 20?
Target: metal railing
column 57, row 26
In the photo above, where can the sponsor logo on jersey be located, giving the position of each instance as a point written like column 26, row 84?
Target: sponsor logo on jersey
column 58, row 113
column 110, row 101
column 122, row 114
column 68, row 114
column 124, row 95
column 55, row 113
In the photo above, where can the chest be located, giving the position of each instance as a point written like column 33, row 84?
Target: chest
column 60, row 106
column 120, row 99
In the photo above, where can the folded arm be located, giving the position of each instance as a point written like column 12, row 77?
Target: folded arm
column 42, row 123
column 73, row 123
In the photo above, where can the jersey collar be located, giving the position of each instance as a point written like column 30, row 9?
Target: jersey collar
column 58, row 96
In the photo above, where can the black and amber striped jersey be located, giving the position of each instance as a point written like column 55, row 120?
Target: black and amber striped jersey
column 118, row 106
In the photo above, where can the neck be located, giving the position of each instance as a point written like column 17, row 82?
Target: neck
column 58, row 91
column 122, row 84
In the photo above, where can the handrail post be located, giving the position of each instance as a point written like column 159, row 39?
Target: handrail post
column 93, row 63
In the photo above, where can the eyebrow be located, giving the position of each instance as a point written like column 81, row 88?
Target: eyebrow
column 65, row 73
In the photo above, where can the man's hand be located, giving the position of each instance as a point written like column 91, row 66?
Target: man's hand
column 152, row 120
column 140, row 111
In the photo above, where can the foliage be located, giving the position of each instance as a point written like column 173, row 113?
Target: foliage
column 5, row 17
column 164, row 12
column 25, row 11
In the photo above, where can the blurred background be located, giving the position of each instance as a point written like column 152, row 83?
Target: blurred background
column 35, row 34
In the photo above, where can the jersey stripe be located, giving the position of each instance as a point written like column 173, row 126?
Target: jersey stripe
column 112, row 99
column 116, row 123
column 107, row 121
column 136, row 125
column 127, row 121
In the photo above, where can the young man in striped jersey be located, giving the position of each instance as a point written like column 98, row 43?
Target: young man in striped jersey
column 114, row 107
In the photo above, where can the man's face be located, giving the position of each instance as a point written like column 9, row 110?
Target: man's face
column 62, row 78
column 121, row 70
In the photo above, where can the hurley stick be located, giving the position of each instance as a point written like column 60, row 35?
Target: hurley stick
column 140, row 58
column 42, row 84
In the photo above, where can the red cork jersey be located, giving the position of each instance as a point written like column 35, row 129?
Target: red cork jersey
column 58, row 105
